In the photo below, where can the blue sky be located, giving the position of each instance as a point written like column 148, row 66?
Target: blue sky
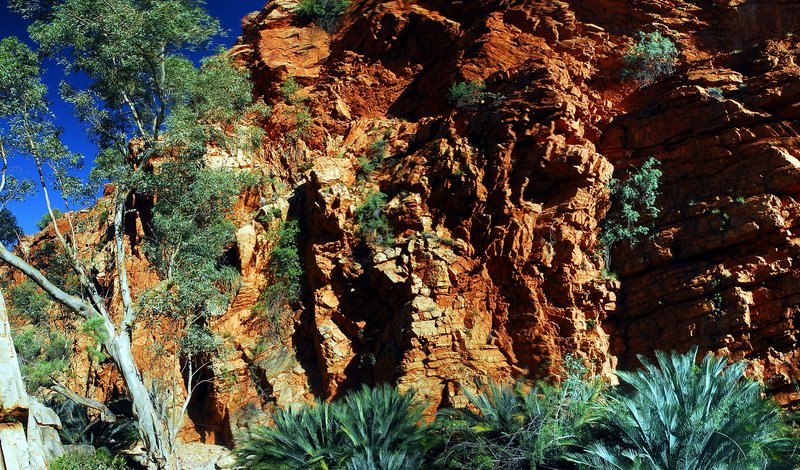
column 230, row 14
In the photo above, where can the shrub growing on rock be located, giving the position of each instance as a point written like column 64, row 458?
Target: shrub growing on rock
column 372, row 222
column 45, row 221
column 652, row 57
column 470, row 94
column 9, row 228
column 42, row 357
column 30, row 302
column 324, row 13
column 286, row 277
column 631, row 200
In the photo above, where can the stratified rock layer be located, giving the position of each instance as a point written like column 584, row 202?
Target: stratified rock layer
column 495, row 208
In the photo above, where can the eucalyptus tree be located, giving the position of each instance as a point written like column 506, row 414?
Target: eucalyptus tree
column 145, row 101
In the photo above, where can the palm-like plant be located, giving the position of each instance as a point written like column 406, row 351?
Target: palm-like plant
column 515, row 427
column 371, row 429
column 679, row 415
column 308, row 438
column 382, row 425
column 78, row 429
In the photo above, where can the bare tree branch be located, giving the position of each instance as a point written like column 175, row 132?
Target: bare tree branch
column 106, row 415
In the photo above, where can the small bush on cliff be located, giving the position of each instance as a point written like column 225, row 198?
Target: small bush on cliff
column 631, row 200
column 290, row 91
column 325, row 13
column 676, row 414
column 517, row 427
column 286, row 277
column 373, row 157
column 45, row 221
column 372, row 222
column 285, row 264
column 368, row 429
column 28, row 301
column 470, row 94
column 42, row 357
column 652, row 57
column 9, row 228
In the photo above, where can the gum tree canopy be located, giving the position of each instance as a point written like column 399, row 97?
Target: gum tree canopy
column 145, row 102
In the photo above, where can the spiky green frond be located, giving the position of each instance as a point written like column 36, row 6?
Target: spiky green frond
column 681, row 415
column 378, row 428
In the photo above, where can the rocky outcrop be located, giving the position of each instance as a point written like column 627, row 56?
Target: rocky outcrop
column 495, row 209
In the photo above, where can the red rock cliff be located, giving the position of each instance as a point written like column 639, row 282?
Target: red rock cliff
column 495, row 209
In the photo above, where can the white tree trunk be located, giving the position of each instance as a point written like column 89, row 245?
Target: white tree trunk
column 161, row 454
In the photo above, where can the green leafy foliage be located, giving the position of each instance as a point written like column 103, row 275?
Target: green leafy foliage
column 300, row 112
column 29, row 129
column 53, row 261
column 93, row 328
column 517, row 427
column 211, row 105
column 676, row 414
column 187, row 243
column 93, row 38
column 302, row 121
column 290, row 91
column 653, row 56
column 372, row 222
column 375, row 154
column 286, row 276
column 376, row 428
column 9, row 228
column 46, row 220
column 631, row 200
column 42, row 357
column 144, row 98
column 325, row 13
column 468, row 95
column 285, row 264
column 100, row 459
column 28, row 301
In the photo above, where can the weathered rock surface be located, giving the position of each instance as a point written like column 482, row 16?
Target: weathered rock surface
column 495, row 209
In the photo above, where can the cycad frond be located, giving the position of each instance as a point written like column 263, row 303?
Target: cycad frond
column 682, row 415
column 381, row 422
column 307, row 438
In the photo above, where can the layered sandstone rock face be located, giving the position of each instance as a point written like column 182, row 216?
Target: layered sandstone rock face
column 494, row 209
column 494, row 271
column 720, row 270
column 494, row 268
